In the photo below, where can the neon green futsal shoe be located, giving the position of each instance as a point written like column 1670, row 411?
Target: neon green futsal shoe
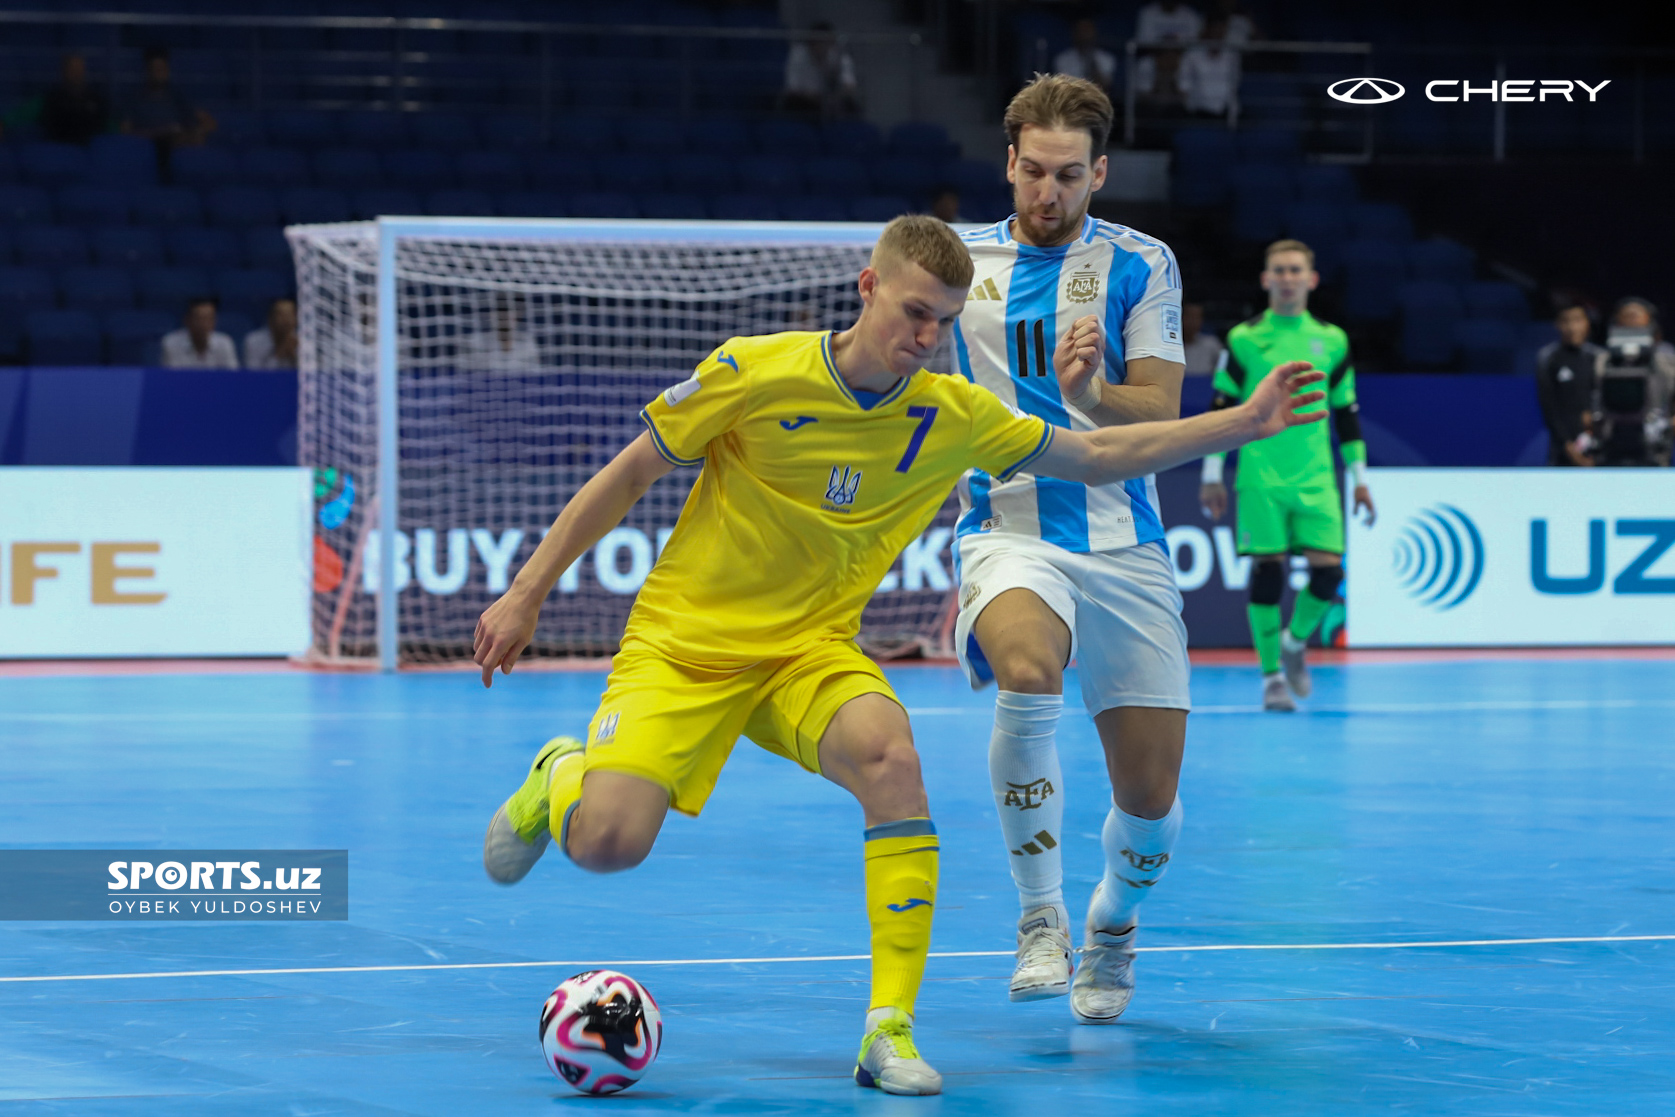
column 517, row 835
column 888, row 1059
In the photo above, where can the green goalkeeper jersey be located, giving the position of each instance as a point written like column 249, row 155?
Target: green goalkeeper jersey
column 1300, row 457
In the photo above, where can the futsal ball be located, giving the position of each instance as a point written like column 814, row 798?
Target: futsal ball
column 600, row 1031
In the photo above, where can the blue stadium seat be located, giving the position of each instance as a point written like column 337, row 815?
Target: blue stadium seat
column 129, row 160
column 1496, row 299
column 1261, row 193
column 793, row 138
column 1440, row 258
column 96, row 289
column 460, row 203
column 235, row 127
column 1488, row 345
column 274, row 167
column 251, row 289
column 1430, row 311
column 703, row 172
column 1324, row 227
column 672, row 207
column 127, row 247
column 1373, row 269
column 311, row 205
column 1380, row 221
column 267, row 248
column 598, row 203
column 719, row 135
column 855, row 138
column 490, row 170
column 815, row 207
column 907, row 176
column 134, row 337
column 386, row 201
column 659, row 135
column 1268, row 145
column 204, row 166
column 169, row 289
column 1536, row 334
column 93, row 205
column 531, row 203
column 836, row 174
column 1204, row 160
column 977, row 176
column 21, row 206
column 194, row 247
column 420, row 168
column 916, row 139
column 304, row 128
column 168, row 205
column 776, row 174
column 746, row 207
column 347, row 168
column 374, row 128
column 510, row 130
column 236, row 322
column 593, row 133
column 63, row 337
column 8, row 164
column 442, row 129
column 878, row 207
column 1325, row 183
column 50, row 246
column 22, row 290
column 49, row 164
column 241, row 206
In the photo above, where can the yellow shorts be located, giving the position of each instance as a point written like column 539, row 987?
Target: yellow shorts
column 675, row 724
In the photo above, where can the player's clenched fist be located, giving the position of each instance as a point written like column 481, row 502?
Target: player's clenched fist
column 1077, row 358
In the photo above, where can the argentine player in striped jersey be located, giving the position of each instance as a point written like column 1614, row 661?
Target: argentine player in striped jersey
column 1075, row 320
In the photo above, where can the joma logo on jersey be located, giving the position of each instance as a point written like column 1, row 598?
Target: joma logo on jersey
column 1083, row 286
column 1028, row 796
column 840, row 490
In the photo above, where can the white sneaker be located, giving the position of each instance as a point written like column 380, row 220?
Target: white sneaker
column 1105, row 978
column 888, row 1059
column 1293, row 653
column 1043, row 968
column 1276, row 695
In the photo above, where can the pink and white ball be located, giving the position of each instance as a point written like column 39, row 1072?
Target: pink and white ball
column 600, row 1031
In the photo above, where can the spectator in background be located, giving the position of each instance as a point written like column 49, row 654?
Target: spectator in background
column 508, row 343
column 1565, row 371
column 275, row 344
column 197, row 344
column 1637, row 314
column 1163, row 22
column 1241, row 28
column 1084, row 59
column 73, row 112
column 1203, row 349
column 162, row 113
column 820, row 76
column 946, row 206
column 1209, row 73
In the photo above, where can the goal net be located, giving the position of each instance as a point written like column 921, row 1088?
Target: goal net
column 522, row 353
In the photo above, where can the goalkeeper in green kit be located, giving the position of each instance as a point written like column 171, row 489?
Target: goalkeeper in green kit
column 1288, row 491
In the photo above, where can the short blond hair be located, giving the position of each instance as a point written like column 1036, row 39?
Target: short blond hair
column 919, row 238
column 1289, row 245
column 1061, row 101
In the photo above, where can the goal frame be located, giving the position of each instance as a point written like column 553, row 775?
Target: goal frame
column 392, row 229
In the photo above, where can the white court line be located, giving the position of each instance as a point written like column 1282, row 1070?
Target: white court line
column 1201, row 949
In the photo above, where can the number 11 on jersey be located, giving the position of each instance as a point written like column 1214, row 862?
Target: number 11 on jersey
column 926, row 416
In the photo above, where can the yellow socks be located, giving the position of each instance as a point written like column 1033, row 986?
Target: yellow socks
column 901, row 859
column 564, row 792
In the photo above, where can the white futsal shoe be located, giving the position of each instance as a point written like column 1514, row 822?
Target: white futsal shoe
column 517, row 834
column 1105, row 978
column 1293, row 658
column 1276, row 695
column 889, row 1061
column 1043, row 968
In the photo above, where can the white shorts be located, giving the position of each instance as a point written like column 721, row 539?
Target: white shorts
column 1122, row 608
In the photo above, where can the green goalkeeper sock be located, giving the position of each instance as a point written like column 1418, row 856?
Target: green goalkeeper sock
column 1306, row 615
column 1265, row 634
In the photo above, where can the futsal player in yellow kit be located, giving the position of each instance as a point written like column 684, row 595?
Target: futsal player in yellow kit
column 823, row 455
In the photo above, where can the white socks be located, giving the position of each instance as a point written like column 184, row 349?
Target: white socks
column 1136, row 854
column 1024, row 774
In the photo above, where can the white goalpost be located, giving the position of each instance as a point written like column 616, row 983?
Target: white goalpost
column 461, row 378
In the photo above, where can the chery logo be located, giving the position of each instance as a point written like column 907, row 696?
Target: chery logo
column 1365, row 91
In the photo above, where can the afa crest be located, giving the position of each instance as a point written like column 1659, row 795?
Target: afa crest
column 1082, row 286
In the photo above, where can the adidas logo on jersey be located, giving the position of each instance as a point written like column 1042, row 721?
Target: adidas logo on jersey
column 986, row 290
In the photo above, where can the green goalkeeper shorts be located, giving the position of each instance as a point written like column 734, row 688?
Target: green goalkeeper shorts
column 1278, row 521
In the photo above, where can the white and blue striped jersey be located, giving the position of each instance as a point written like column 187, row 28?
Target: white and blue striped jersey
column 1024, row 299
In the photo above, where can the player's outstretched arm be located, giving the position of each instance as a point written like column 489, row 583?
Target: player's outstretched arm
column 506, row 627
column 1113, row 454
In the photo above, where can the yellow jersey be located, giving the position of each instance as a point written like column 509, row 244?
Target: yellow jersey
column 808, row 493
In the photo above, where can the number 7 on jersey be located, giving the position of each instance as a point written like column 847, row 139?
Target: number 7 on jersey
column 926, row 416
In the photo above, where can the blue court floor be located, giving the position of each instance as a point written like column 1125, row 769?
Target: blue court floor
column 1286, row 972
